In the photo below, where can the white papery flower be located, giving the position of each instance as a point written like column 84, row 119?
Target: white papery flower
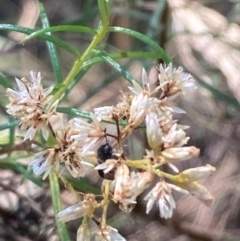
column 137, row 88
column 89, row 134
column 174, row 81
column 198, row 191
column 121, row 183
column 107, row 166
column 144, row 87
column 138, row 183
column 154, row 132
column 197, row 173
column 138, row 109
column 126, row 190
column 142, row 100
column 162, row 195
column 70, row 152
column 176, row 137
column 30, row 104
column 44, row 162
column 78, row 210
column 180, row 153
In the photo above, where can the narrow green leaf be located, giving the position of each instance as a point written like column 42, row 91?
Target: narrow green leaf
column 121, row 55
column 51, row 48
column 57, row 206
column 60, row 28
column 57, row 41
column 135, row 54
column 57, row 87
column 74, row 112
column 82, row 114
column 9, row 125
column 94, row 60
column 82, row 185
column 11, row 131
column 75, row 81
column 5, row 83
column 117, row 66
column 144, row 39
column 110, row 78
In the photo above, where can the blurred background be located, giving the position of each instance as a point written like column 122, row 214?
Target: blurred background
column 202, row 36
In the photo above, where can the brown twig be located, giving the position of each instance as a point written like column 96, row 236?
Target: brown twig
column 23, row 146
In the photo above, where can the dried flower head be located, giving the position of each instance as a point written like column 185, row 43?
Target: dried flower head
column 121, row 182
column 68, row 153
column 162, row 195
column 89, row 134
column 29, row 104
column 154, row 131
column 44, row 162
column 173, row 82
column 188, row 180
column 137, row 184
column 180, row 153
column 138, row 109
column 84, row 208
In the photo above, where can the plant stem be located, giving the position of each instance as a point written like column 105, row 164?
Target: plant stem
column 101, row 32
column 57, row 205
column 144, row 164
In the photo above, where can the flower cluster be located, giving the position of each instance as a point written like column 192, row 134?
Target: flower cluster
column 68, row 152
column 29, row 104
column 80, row 143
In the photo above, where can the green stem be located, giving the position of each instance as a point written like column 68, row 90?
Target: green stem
column 144, row 165
column 137, row 163
column 57, row 205
column 164, row 174
column 79, row 62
